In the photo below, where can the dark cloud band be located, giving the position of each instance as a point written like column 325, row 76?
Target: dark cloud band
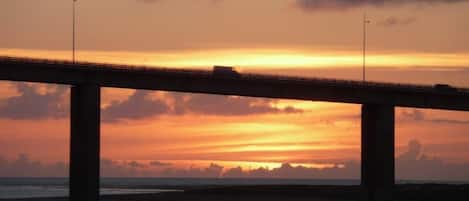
column 411, row 164
column 31, row 104
column 34, row 105
column 313, row 5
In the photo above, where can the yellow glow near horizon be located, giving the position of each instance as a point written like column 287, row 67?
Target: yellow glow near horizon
column 280, row 148
column 256, row 127
column 252, row 58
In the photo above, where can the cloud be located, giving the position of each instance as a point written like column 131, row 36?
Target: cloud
column 413, row 164
column 333, row 121
column 159, row 163
column 413, row 114
column 414, row 150
column 396, row 21
column 111, row 168
column 136, row 164
column 23, row 166
column 315, row 5
column 348, row 170
column 261, row 172
column 416, row 165
column 32, row 104
column 138, row 106
column 418, row 115
column 52, row 101
column 449, row 121
column 216, row 2
column 232, row 106
column 212, row 171
column 148, row 1
column 236, row 172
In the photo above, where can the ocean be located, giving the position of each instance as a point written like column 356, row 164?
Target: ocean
column 58, row 187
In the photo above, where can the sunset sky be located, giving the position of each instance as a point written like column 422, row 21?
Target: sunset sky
column 148, row 133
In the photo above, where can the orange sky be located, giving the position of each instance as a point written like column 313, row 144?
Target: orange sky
column 318, row 135
column 408, row 43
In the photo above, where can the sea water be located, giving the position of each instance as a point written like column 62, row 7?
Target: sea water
column 58, row 187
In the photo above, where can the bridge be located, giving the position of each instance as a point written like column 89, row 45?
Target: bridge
column 378, row 102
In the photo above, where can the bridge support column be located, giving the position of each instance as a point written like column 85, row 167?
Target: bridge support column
column 85, row 142
column 377, row 170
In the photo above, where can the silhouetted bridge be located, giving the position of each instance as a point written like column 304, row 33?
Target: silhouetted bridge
column 378, row 102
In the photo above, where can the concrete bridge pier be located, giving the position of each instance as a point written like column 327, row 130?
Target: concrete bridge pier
column 377, row 171
column 85, row 142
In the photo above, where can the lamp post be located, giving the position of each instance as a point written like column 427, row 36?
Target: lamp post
column 73, row 32
column 365, row 22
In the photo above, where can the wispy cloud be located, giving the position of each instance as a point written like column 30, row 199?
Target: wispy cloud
column 315, row 5
column 157, row 1
column 418, row 115
column 396, row 21
column 148, row 1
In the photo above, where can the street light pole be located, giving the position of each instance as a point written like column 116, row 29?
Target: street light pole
column 365, row 22
column 73, row 33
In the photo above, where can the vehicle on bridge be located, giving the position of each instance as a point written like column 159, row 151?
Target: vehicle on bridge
column 225, row 71
column 445, row 87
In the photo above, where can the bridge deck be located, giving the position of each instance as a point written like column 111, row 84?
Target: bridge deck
column 255, row 85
